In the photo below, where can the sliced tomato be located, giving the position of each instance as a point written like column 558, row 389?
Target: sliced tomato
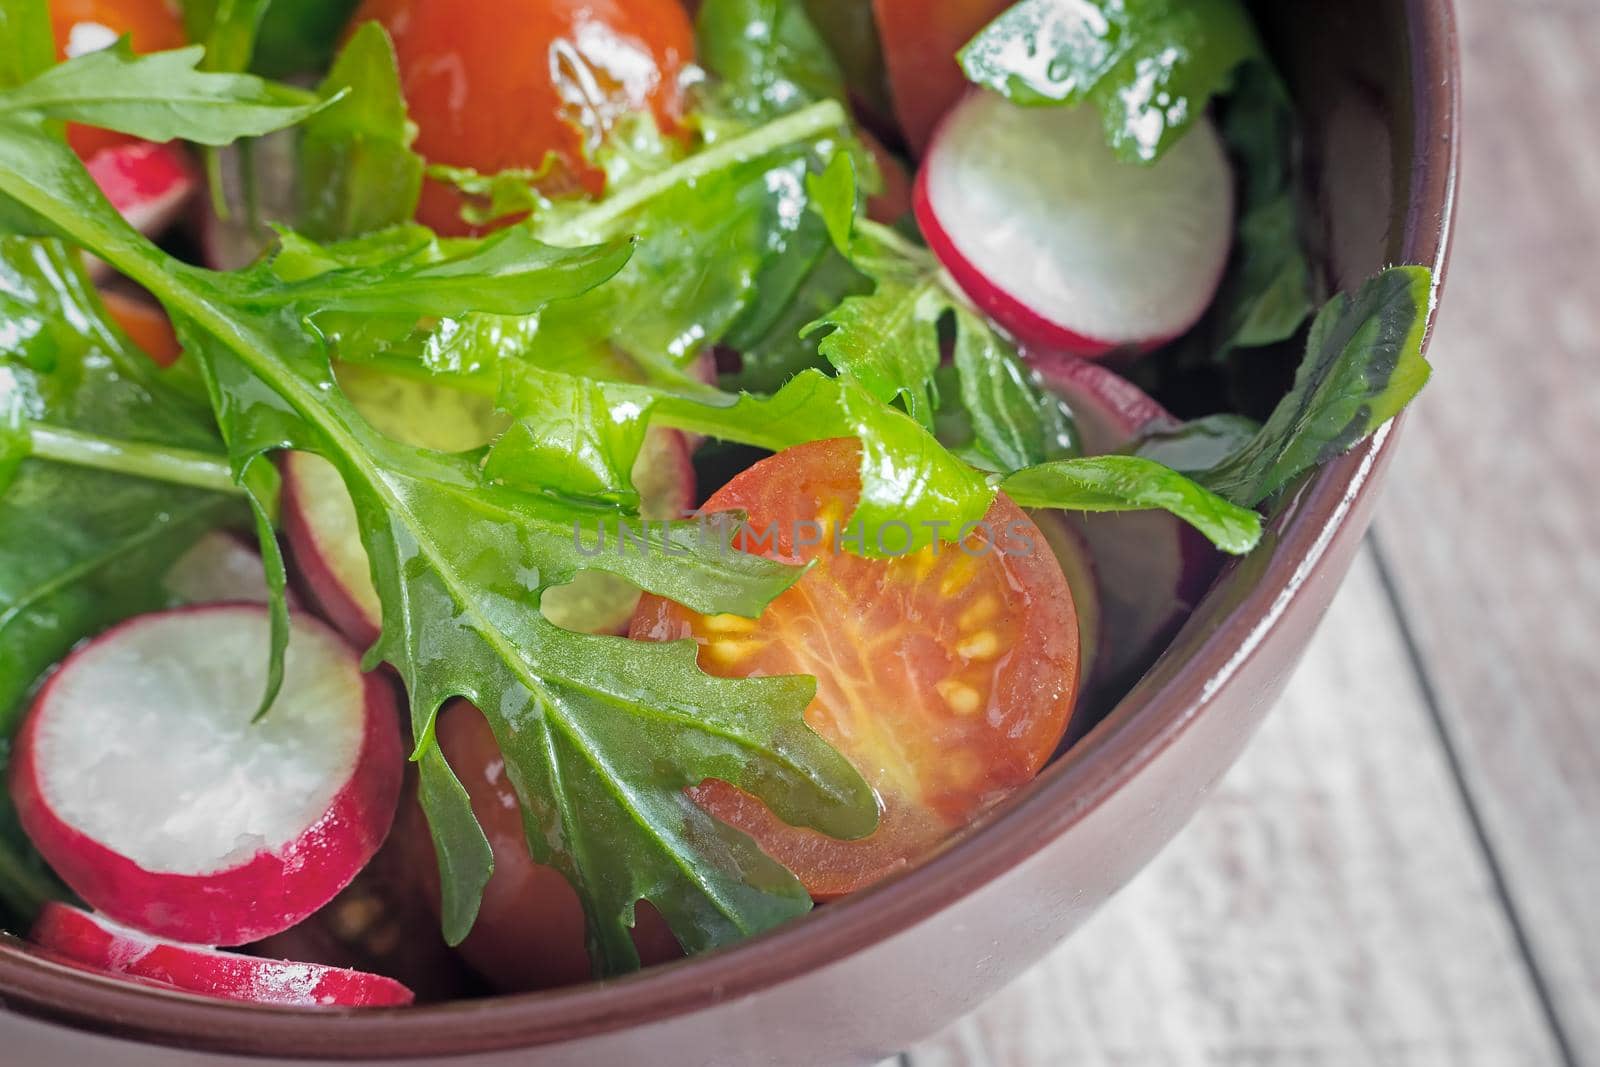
column 89, row 25
column 499, row 84
column 946, row 677
column 530, row 931
column 920, row 42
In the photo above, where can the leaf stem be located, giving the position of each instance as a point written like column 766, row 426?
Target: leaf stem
column 179, row 466
column 807, row 122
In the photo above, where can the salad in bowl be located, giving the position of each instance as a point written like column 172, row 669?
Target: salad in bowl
column 499, row 495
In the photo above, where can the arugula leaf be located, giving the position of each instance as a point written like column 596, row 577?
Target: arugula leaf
column 81, row 546
column 766, row 56
column 601, row 736
column 1129, row 483
column 851, row 33
column 1267, row 291
column 26, row 44
column 594, row 429
column 159, row 97
column 890, row 340
column 1363, row 364
column 300, row 35
column 714, row 232
column 1200, row 444
column 1150, row 66
column 227, row 29
column 357, row 170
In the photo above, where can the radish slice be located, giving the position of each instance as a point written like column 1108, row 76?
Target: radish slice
column 97, row 943
column 219, row 568
column 143, row 782
column 1063, row 244
column 1152, row 568
column 148, row 183
column 319, row 519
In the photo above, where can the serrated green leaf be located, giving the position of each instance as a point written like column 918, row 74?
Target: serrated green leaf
column 766, row 56
column 1151, row 67
column 1363, row 364
column 1133, row 483
column 159, row 97
column 358, row 172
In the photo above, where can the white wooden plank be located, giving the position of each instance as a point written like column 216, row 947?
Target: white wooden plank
column 1328, row 906
column 1492, row 520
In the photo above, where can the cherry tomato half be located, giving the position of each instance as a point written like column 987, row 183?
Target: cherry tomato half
column 89, row 25
column 946, row 676
column 530, row 931
column 498, row 84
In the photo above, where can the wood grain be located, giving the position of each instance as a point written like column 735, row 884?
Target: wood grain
column 1329, row 905
column 1491, row 524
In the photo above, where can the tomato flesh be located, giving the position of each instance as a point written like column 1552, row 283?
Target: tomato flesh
column 920, row 42
column 499, row 84
column 946, row 676
column 83, row 26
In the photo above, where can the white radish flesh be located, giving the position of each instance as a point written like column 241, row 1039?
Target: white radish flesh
column 1062, row 243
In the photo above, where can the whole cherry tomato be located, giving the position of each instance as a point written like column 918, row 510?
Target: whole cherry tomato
column 507, row 84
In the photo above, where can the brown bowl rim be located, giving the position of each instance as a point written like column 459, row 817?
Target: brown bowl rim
column 1144, row 725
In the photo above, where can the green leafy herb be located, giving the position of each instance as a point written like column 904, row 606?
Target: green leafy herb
column 1123, row 483
column 159, row 97
column 357, row 170
column 766, row 56
column 1267, row 291
column 1150, row 66
column 891, row 340
column 1363, row 365
column 26, row 44
column 227, row 29
column 300, row 35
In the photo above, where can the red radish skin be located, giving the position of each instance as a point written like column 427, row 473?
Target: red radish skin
column 274, row 887
column 95, row 943
column 1063, row 245
column 1152, row 568
column 148, row 183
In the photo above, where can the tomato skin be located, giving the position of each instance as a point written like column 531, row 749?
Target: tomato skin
column 530, row 932
column 497, row 84
column 920, row 42
column 146, row 325
column 946, row 677
column 151, row 25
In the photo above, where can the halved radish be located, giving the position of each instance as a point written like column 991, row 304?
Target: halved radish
column 319, row 519
column 143, row 782
column 97, row 943
column 1062, row 243
column 148, row 183
column 221, row 567
column 1152, row 568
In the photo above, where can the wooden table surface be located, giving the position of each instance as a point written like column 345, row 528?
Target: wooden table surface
column 1404, row 869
